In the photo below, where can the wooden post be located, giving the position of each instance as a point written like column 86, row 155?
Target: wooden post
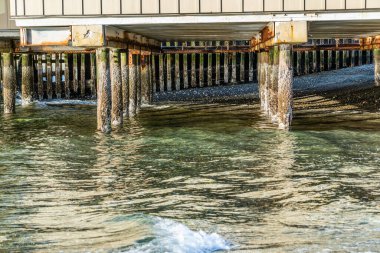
column 185, row 72
column 40, row 78
column 209, row 70
column 242, row 67
column 27, row 80
column 273, row 85
column 49, row 75
column 67, row 77
column 75, row 75
column 9, row 83
column 104, row 104
column 58, row 76
column 83, row 75
column 376, row 60
column 132, row 84
column 285, row 87
column 93, row 75
column 176, row 71
column 124, row 82
column 161, row 72
column 116, row 88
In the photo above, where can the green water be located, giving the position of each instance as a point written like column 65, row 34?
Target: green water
column 179, row 169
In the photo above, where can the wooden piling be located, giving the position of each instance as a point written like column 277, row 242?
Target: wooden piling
column 242, row 67
column 132, row 84
column 104, row 97
column 116, row 88
column 273, row 85
column 49, row 77
column 209, row 70
column 9, row 83
column 185, row 72
column 83, row 75
column 67, row 76
column 217, row 69
column 176, row 71
column 40, row 77
column 93, row 75
column 285, row 87
column 27, row 80
column 376, row 60
column 58, row 76
column 75, row 75
column 124, row 82
column 161, row 72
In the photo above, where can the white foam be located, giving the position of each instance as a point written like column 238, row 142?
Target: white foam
column 174, row 237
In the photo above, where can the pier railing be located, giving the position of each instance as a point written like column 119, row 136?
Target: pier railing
column 30, row 8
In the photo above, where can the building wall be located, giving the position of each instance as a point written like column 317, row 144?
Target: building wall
column 5, row 22
column 149, row 7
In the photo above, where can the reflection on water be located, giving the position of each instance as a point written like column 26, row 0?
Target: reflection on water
column 188, row 178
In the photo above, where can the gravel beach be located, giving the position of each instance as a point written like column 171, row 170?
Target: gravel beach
column 351, row 86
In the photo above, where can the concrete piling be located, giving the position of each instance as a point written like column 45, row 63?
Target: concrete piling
column 161, row 72
column 132, row 84
column 242, row 67
column 322, row 60
column 201, row 71
column 82, row 75
column 376, row 60
column 177, row 71
column 27, row 80
column 154, row 80
column 360, row 57
column 193, row 68
column 314, row 61
column 104, row 104
column 329, row 59
column 209, row 70
column 169, row 70
column 185, row 72
column 217, row 69
column 116, row 88
column 225, row 68
column 307, row 63
column 58, row 76
column 145, row 89
column 299, row 63
column 273, row 84
column 93, row 75
column 138, row 82
column 75, row 74
column 9, row 83
column 124, row 82
column 250, row 59
column 285, row 87
column 234, row 73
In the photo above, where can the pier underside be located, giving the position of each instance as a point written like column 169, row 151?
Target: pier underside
column 123, row 61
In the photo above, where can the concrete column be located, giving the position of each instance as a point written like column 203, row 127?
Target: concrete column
column 67, row 76
column 83, row 75
column 104, row 104
column 27, row 80
column 337, row 59
column 124, row 82
column 185, row 72
column 201, row 70
column 161, row 72
column 93, row 75
column 116, row 88
column 154, row 80
column 40, row 78
column 209, row 70
column 242, row 67
column 368, row 57
column 217, row 69
column 58, row 76
column 234, row 74
column 133, row 84
column 273, row 85
column 176, row 70
column 250, row 67
column 307, row 62
column 225, row 67
column 49, row 77
column 376, row 60
column 75, row 75
column 264, row 81
column 315, row 66
column 360, row 57
column 285, row 87
column 145, row 90
column 9, row 83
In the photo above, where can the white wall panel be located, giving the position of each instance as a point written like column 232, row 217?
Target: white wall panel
column 53, row 7
column 131, row 6
column 253, row 5
column 169, row 6
column 150, row 6
column 189, row 6
column 208, row 6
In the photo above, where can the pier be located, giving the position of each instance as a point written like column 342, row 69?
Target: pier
column 122, row 52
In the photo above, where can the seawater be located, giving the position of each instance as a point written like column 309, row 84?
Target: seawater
column 188, row 178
